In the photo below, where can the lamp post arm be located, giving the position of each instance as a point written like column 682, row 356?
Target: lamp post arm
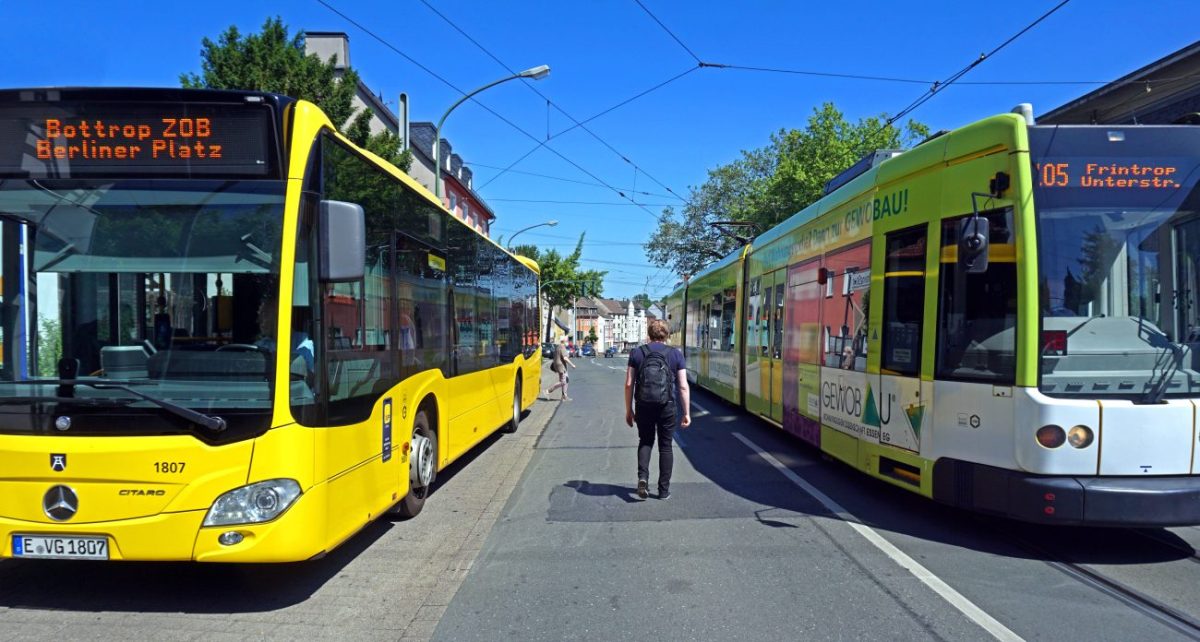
column 437, row 133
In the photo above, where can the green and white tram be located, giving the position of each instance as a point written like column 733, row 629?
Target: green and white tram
column 1005, row 318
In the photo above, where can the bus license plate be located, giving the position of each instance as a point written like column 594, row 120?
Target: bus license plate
column 60, row 548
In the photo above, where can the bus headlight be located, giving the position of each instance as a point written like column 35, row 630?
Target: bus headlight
column 1051, row 436
column 1080, row 436
column 252, row 504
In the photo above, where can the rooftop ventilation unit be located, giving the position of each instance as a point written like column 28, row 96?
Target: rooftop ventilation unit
column 866, row 162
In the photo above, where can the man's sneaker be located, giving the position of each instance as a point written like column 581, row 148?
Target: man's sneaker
column 664, row 494
column 642, row 490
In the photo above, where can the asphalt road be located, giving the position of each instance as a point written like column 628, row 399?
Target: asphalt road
column 539, row 536
column 742, row 551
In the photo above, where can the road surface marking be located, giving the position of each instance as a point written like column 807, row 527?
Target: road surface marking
column 956, row 599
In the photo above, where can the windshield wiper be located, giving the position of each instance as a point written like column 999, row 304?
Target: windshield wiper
column 215, row 424
column 1159, row 388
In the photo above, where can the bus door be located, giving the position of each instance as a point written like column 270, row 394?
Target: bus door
column 898, row 405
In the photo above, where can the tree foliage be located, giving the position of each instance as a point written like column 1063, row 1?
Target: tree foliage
column 274, row 61
column 563, row 278
column 766, row 185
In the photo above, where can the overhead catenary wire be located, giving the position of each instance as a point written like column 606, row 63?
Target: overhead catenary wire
column 534, row 200
column 669, row 32
column 578, row 123
column 566, row 180
column 501, row 117
column 939, row 86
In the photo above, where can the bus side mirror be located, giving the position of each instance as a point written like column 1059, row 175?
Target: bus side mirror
column 342, row 234
column 973, row 244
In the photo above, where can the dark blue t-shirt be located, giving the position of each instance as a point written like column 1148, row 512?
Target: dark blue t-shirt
column 675, row 359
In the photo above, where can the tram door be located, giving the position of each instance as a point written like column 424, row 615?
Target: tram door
column 802, row 352
column 900, row 407
column 774, row 305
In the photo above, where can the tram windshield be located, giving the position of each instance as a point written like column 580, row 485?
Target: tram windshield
column 1118, row 251
column 134, row 298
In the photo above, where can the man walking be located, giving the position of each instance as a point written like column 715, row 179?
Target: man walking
column 656, row 380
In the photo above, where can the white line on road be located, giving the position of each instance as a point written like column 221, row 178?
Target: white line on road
column 701, row 409
column 956, row 599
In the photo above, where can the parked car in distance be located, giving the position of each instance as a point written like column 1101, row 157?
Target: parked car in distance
column 589, row 350
column 610, row 352
column 548, row 350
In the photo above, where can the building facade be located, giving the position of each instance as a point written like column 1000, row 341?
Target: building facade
column 1163, row 92
column 458, row 194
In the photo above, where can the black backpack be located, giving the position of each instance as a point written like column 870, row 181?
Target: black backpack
column 655, row 384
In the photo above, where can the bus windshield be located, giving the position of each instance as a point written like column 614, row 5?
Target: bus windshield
column 128, row 297
column 1118, row 244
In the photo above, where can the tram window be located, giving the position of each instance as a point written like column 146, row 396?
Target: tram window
column 903, row 301
column 728, row 308
column 777, row 322
column 977, row 313
column 764, row 313
column 714, row 323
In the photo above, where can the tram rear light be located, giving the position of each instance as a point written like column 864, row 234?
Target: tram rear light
column 1054, row 343
column 1080, row 436
column 1051, row 436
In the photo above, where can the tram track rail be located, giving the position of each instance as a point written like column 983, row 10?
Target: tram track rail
column 1123, row 592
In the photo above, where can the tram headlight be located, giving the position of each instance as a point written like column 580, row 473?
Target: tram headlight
column 1080, row 436
column 1051, row 436
column 252, row 504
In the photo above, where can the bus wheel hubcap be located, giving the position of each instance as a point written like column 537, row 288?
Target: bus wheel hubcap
column 423, row 451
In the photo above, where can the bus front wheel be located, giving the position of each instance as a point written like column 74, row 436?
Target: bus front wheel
column 422, row 467
column 511, row 425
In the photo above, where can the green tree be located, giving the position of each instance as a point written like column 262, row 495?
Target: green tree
column 562, row 277
column 274, row 61
column 766, row 185
column 49, row 346
column 643, row 300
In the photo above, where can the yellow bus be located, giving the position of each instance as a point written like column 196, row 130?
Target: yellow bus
column 159, row 248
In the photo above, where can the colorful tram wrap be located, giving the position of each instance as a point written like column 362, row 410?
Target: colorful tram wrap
column 230, row 334
column 1053, row 377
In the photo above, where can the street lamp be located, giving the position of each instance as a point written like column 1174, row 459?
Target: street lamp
column 550, row 223
column 535, row 73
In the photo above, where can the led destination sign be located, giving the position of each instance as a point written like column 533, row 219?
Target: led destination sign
column 60, row 140
column 1109, row 174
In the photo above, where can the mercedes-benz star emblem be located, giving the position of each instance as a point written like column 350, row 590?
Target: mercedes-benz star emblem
column 60, row 503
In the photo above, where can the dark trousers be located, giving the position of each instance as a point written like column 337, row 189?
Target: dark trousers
column 658, row 422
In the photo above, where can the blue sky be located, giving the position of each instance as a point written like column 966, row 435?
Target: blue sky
column 603, row 52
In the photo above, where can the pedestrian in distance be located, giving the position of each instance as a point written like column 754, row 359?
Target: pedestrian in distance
column 656, row 399
column 559, row 366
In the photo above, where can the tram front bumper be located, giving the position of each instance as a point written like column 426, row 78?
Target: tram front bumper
column 1089, row 501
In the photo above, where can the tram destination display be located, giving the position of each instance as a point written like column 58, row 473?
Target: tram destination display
column 110, row 140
